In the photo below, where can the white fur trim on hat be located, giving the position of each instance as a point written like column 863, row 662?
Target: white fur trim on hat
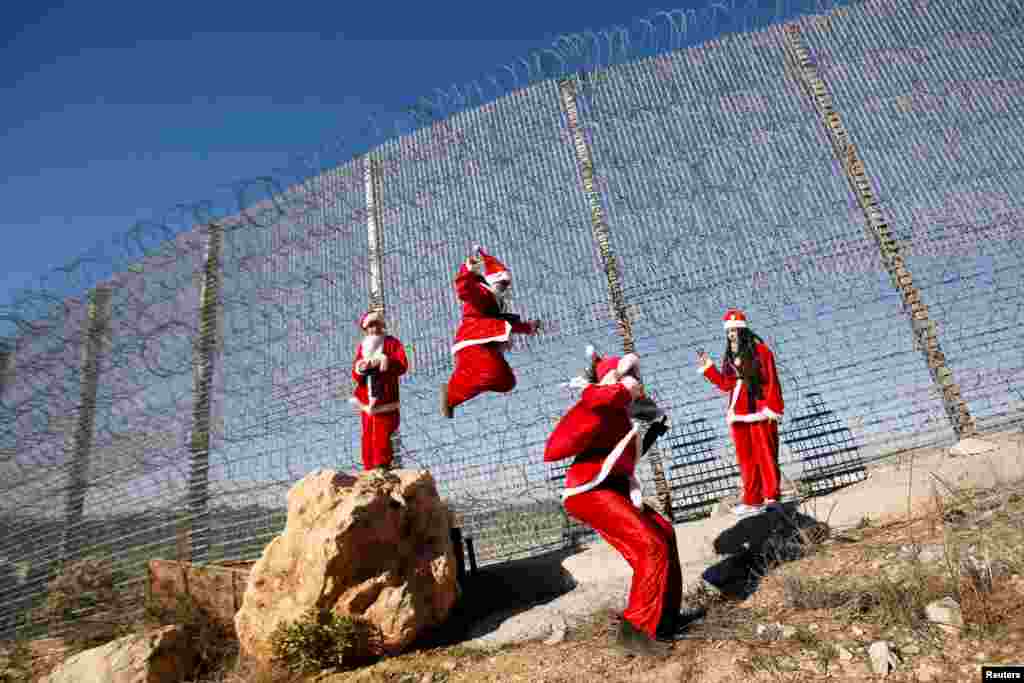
column 494, row 278
column 730, row 324
column 372, row 316
column 628, row 362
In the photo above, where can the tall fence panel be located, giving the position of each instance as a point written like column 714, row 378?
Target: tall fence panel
column 931, row 94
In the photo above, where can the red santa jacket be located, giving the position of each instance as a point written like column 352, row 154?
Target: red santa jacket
column 384, row 395
column 598, row 431
column 770, row 404
column 481, row 323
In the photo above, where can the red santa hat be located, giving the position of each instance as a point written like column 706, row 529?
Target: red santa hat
column 612, row 364
column 370, row 317
column 734, row 318
column 494, row 270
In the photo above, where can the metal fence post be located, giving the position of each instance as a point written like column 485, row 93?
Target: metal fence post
column 601, row 233
column 96, row 326
column 374, row 177
column 6, row 365
column 204, row 352
column 799, row 63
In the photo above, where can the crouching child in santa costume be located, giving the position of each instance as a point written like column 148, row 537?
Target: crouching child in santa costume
column 749, row 379
column 480, row 342
column 602, row 491
column 380, row 361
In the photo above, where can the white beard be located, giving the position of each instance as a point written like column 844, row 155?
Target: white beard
column 372, row 345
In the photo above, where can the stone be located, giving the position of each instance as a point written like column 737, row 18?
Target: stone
column 883, row 659
column 163, row 655
column 375, row 546
column 558, row 628
column 215, row 590
column 971, row 446
column 929, row 552
column 945, row 612
column 724, row 506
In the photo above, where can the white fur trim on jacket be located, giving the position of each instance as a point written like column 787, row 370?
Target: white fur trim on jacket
column 577, row 383
column 704, row 368
column 759, row 416
column 373, row 410
column 474, row 342
column 635, row 490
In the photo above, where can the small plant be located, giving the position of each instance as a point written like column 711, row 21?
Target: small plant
column 320, row 640
column 801, row 592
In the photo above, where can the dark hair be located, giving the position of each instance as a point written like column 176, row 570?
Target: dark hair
column 750, row 366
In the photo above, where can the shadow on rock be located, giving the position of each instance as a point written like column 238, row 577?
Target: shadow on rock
column 499, row 592
column 757, row 544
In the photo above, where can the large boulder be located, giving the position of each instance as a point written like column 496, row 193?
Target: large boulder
column 375, row 545
column 163, row 655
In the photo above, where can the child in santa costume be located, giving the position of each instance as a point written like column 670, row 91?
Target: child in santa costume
column 482, row 286
column 380, row 361
column 749, row 378
column 602, row 491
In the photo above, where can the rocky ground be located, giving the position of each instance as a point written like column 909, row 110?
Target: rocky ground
column 880, row 591
column 922, row 592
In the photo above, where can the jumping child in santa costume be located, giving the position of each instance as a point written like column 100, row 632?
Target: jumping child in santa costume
column 380, row 361
column 602, row 491
column 748, row 376
column 482, row 285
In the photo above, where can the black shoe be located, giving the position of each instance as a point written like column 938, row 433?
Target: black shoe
column 632, row 641
column 678, row 627
column 446, row 410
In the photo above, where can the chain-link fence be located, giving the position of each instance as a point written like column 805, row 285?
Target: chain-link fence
column 851, row 179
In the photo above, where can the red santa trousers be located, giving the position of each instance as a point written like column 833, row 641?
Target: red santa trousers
column 757, row 451
column 479, row 368
column 377, row 431
column 647, row 542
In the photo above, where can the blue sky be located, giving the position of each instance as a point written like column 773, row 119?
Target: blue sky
column 114, row 116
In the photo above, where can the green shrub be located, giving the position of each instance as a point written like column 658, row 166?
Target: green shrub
column 320, row 640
